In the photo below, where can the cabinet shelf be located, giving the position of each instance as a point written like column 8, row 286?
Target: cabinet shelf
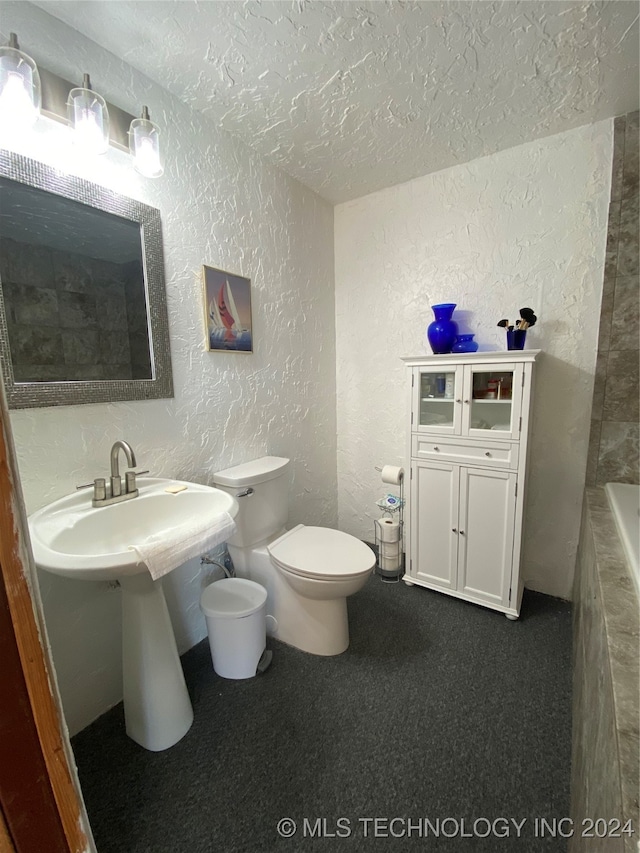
column 474, row 400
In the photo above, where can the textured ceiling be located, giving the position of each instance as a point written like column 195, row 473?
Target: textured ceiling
column 352, row 97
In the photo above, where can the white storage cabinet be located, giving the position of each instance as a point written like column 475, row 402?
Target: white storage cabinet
column 469, row 425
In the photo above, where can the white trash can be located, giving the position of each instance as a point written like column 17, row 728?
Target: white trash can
column 235, row 610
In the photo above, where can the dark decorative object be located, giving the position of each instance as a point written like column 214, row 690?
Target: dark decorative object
column 528, row 318
column 516, row 335
column 516, row 338
column 465, row 343
column 442, row 333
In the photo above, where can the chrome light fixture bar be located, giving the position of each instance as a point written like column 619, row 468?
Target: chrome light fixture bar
column 26, row 91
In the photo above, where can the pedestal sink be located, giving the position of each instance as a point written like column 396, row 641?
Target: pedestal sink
column 72, row 538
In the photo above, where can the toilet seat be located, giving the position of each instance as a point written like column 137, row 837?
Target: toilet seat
column 321, row 552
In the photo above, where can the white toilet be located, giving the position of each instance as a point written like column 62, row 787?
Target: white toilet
column 308, row 572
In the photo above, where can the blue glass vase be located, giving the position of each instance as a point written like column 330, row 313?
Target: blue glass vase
column 442, row 333
column 465, row 343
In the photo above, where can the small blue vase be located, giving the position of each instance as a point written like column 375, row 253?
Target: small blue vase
column 465, row 343
column 442, row 333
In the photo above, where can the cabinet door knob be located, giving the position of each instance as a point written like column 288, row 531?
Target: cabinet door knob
column 436, row 448
column 453, row 530
column 458, row 401
column 462, row 533
column 467, row 402
column 487, row 453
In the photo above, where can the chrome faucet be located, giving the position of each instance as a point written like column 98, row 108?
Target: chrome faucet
column 104, row 494
column 116, row 479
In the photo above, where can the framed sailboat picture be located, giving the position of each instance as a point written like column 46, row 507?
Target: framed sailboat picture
column 227, row 307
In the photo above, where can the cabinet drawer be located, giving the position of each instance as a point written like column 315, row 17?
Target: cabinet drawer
column 500, row 454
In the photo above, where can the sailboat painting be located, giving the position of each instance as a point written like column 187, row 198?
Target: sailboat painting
column 227, row 303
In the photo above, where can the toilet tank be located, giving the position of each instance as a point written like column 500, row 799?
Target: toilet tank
column 263, row 513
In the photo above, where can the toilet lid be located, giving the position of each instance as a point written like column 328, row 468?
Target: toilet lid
column 321, row 552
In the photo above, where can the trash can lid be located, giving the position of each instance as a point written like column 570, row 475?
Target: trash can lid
column 232, row 598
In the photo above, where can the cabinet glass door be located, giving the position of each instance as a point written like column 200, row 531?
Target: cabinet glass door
column 438, row 399
column 492, row 400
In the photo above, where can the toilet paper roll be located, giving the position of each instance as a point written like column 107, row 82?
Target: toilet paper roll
column 392, row 474
column 390, row 549
column 388, row 529
column 390, row 564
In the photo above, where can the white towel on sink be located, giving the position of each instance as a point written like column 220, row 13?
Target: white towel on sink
column 163, row 552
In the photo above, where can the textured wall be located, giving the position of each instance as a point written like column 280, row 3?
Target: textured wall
column 613, row 446
column 220, row 205
column 523, row 227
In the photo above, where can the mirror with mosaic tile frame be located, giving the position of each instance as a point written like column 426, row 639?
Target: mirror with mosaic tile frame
column 83, row 315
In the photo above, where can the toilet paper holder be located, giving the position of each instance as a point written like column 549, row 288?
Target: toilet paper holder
column 389, row 528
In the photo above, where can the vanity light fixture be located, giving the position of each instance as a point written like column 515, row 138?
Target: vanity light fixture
column 144, row 146
column 89, row 117
column 26, row 92
column 20, row 90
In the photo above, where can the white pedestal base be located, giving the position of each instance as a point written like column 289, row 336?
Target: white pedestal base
column 157, row 708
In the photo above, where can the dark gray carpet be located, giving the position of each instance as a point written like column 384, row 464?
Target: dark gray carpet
column 439, row 709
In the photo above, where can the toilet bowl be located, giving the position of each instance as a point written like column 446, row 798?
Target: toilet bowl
column 308, row 571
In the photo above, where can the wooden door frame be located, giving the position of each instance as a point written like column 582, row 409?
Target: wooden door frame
column 40, row 796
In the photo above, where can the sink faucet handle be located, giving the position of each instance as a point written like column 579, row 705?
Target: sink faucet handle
column 99, row 488
column 130, row 480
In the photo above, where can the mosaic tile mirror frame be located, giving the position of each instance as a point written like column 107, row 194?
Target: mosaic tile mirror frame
column 83, row 314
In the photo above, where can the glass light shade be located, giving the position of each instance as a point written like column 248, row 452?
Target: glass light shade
column 20, row 91
column 89, row 117
column 144, row 145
